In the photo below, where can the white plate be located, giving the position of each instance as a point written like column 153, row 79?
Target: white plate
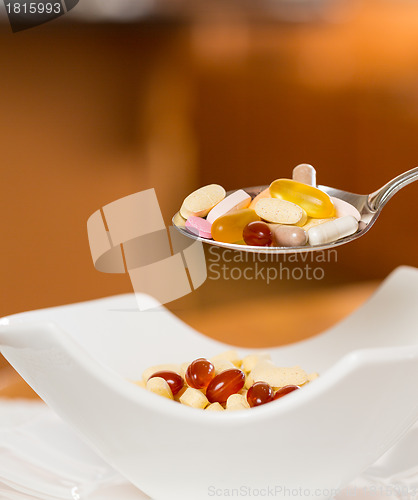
column 395, row 473
column 79, row 357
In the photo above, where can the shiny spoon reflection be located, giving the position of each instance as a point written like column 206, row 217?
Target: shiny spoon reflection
column 369, row 206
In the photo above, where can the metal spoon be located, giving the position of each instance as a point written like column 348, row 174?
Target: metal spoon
column 369, row 206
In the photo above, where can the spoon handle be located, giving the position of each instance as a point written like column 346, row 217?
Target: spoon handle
column 379, row 198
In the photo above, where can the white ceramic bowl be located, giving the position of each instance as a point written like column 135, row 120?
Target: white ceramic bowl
column 79, row 357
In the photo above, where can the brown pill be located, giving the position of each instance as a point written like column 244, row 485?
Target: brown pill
column 289, row 236
column 173, row 379
column 199, row 373
column 259, row 393
column 223, row 385
column 285, row 390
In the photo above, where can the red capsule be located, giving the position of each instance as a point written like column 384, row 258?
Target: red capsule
column 259, row 393
column 285, row 390
column 173, row 379
column 199, row 373
column 258, row 234
column 224, row 384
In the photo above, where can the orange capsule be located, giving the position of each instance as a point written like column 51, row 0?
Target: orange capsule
column 223, row 385
column 173, row 379
column 259, row 393
column 258, row 234
column 199, row 373
column 285, row 390
column 229, row 227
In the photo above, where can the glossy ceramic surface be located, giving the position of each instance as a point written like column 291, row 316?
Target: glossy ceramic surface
column 80, row 358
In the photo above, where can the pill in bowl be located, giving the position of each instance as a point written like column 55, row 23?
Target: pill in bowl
column 225, row 382
column 289, row 213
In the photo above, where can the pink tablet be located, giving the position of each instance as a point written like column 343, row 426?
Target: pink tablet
column 199, row 227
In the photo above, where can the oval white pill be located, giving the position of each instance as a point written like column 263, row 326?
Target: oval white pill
column 201, row 201
column 235, row 201
column 199, row 227
column 343, row 208
column 333, row 230
column 279, row 211
column 305, row 173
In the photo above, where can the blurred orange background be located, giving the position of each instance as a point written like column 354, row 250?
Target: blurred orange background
column 92, row 112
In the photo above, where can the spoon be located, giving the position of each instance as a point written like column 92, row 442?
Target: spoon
column 369, row 206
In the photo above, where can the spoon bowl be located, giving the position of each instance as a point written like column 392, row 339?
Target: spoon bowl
column 369, row 206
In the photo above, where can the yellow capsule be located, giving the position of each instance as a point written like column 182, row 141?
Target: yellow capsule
column 229, row 227
column 315, row 202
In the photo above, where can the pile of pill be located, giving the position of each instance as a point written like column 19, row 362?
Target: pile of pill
column 225, row 382
column 289, row 213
